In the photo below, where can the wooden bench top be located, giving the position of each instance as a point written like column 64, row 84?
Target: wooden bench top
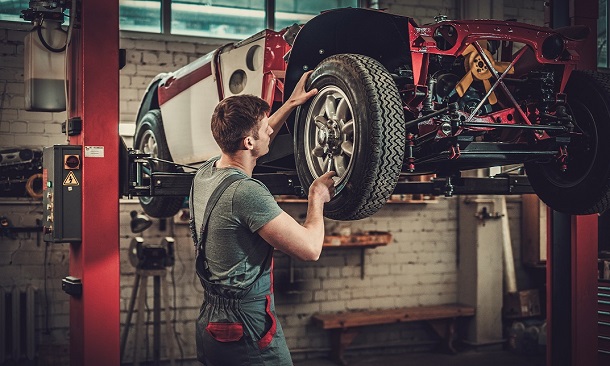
column 387, row 316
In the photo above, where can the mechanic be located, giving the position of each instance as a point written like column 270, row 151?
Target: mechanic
column 237, row 324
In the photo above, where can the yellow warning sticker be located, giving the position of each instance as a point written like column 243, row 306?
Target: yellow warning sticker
column 71, row 180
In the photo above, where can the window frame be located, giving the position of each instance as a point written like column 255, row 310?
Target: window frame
column 269, row 21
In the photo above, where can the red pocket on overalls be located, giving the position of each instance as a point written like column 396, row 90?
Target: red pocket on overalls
column 267, row 337
column 225, row 332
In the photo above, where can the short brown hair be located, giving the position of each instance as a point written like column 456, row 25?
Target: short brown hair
column 234, row 118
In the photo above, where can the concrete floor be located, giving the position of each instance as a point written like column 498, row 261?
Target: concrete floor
column 464, row 358
column 472, row 357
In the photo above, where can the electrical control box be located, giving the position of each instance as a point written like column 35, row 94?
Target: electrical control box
column 62, row 193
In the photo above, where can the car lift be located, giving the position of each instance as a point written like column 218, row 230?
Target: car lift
column 142, row 182
column 95, row 314
column 94, row 98
column 572, row 260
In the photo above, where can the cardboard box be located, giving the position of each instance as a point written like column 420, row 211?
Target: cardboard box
column 521, row 304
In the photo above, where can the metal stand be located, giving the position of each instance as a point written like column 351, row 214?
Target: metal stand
column 142, row 280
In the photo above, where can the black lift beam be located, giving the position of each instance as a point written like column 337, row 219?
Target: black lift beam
column 142, row 182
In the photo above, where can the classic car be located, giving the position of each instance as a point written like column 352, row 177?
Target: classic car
column 397, row 99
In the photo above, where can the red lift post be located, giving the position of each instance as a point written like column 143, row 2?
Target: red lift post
column 94, row 96
column 572, row 265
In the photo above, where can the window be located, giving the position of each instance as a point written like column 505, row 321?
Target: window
column 215, row 19
column 231, row 19
column 218, row 18
column 140, row 15
column 11, row 9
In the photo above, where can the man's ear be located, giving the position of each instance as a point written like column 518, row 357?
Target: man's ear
column 248, row 145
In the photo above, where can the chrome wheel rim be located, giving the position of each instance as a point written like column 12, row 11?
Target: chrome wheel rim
column 148, row 145
column 330, row 135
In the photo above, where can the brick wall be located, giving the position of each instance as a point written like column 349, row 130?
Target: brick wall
column 526, row 11
column 417, row 268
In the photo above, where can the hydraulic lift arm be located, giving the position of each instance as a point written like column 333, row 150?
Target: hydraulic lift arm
column 139, row 180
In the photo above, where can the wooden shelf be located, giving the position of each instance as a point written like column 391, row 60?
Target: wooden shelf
column 359, row 240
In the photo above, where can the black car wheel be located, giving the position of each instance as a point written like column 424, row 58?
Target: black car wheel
column 150, row 139
column 354, row 126
column 584, row 187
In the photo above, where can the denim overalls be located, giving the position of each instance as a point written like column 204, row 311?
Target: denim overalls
column 238, row 326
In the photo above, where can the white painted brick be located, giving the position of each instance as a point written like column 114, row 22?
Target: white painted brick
column 396, row 268
column 180, row 59
column 383, row 302
column 21, row 257
column 57, row 117
column 10, row 74
column 202, row 49
column 133, row 105
column 139, row 81
column 14, row 88
column 321, row 272
column 15, row 101
column 35, row 127
column 34, row 116
column 165, row 59
column 29, row 140
column 5, row 127
column 319, row 296
column 378, row 269
column 130, row 94
column 18, row 127
column 151, row 70
column 150, row 45
column 181, row 47
column 332, row 283
column 332, row 306
column 382, row 281
column 6, row 51
column 359, row 304
column 306, row 297
column 350, row 271
column 13, row 61
column 16, row 36
column 125, row 77
column 149, row 58
column 334, row 272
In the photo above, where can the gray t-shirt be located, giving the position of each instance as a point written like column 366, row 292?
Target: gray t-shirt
column 236, row 254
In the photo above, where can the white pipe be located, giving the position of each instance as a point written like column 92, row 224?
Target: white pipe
column 30, row 329
column 510, row 280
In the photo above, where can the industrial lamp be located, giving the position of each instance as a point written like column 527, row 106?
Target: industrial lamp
column 139, row 222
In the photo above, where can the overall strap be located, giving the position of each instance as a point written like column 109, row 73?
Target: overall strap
column 192, row 226
column 199, row 240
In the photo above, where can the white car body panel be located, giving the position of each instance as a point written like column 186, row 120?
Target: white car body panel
column 193, row 107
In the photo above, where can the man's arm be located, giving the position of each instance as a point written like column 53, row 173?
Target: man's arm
column 302, row 242
column 298, row 97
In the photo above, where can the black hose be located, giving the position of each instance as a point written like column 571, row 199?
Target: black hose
column 45, row 44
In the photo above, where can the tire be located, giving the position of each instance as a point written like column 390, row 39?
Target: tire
column 584, row 188
column 356, row 124
column 150, row 139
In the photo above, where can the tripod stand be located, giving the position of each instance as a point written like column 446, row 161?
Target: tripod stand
column 159, row 283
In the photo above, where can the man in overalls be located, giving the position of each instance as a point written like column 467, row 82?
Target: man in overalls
column 236, row 224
